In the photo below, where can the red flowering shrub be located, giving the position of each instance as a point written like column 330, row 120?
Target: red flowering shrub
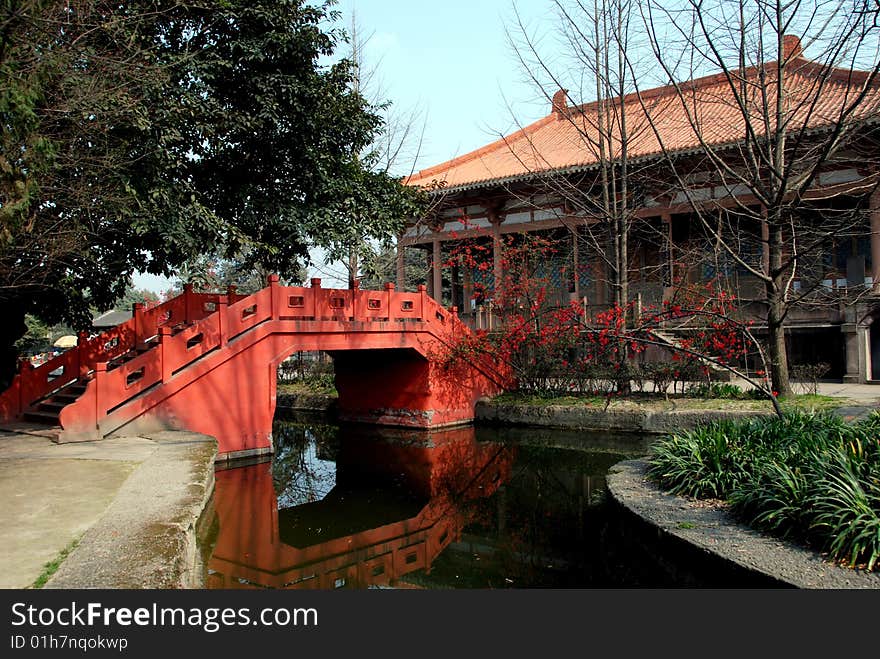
column 559, row 349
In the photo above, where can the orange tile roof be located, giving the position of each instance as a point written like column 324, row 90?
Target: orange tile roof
column 566, row 139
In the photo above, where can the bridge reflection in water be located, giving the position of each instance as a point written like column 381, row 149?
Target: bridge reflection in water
column 394, row 501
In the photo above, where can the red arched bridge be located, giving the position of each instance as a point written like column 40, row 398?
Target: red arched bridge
column 207, row 362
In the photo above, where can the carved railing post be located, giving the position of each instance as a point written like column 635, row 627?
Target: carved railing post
column 101, row 402
column 422, row 302
column 316, row 285
column 187, row 302
column 355, row 294
column 389, row 293
column 223, row 321
column 274, row 296
column 82, row 351
column 165, row 352
column 24, row 381
column 137, row 316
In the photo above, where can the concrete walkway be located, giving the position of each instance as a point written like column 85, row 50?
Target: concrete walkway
column 132, row 504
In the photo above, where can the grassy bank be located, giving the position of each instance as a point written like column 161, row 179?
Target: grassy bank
column 810, row 477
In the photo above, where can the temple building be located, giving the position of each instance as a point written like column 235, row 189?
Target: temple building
column 544, row 179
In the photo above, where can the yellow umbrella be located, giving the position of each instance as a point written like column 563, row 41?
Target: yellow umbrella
column 66, row 341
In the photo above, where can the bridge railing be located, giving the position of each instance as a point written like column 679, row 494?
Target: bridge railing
column 204, row 322
column 317, row 303
column 32, row 384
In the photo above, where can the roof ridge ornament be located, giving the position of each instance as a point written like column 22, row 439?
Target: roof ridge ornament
column 560, row 104
column 791, row 47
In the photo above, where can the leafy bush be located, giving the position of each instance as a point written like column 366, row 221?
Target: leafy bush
column 807, row 477
column 707, row 462
column 715, row 390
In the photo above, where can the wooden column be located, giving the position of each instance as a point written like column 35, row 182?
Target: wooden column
column 497, row 268
column 668, row 291
column 875, row 240
column 436, row 272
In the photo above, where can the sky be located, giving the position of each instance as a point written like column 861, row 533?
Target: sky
column 450, row 65
column 451, row 61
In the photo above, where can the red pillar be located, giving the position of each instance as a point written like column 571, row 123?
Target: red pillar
column 223, row 321
column 187, row 302
column 164, row 338
column 275, row 296
column 101, row 402
column 137, row 310
column 82, row 339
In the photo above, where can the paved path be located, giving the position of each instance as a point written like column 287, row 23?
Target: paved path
column 865, row 393
column 108, row 496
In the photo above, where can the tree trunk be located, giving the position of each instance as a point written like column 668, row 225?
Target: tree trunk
column 776, row 313
column 11, row 330
column 776, row 349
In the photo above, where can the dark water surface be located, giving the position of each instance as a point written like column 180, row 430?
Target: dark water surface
column 359, row 507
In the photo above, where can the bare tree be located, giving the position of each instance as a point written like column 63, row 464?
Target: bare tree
column 592, row 37
column 768, row 131
column 601, row 201
column 393, row 152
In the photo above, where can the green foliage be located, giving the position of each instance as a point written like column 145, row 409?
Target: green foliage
column 147, row 133
column 137, row 295
column 706, row 462
column 36, row 339
column 303, row 373
column 715, row 390
column 807, row 477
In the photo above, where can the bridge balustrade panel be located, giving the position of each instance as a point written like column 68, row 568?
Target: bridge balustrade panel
column 333, row 304
column 247, row 313
column 190, row 344
column 408, row 307
column 373, row 305
column 115, row 387
column 35, row 383
column 296, row 303
column 110, row 344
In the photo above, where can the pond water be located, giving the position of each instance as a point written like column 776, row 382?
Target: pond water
column 469, row 507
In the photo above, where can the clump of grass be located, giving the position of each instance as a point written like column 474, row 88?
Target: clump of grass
column 809, row 477
column 52, row 566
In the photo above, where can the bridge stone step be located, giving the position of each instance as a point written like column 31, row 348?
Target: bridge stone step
column 38, row 416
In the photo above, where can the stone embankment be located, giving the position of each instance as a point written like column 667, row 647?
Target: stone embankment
column 617, row 417
column 149, row 536
column 132, row 512
column 688, row 535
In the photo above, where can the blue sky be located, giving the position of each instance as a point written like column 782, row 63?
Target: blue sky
column 451, row 64
column 452, row 61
